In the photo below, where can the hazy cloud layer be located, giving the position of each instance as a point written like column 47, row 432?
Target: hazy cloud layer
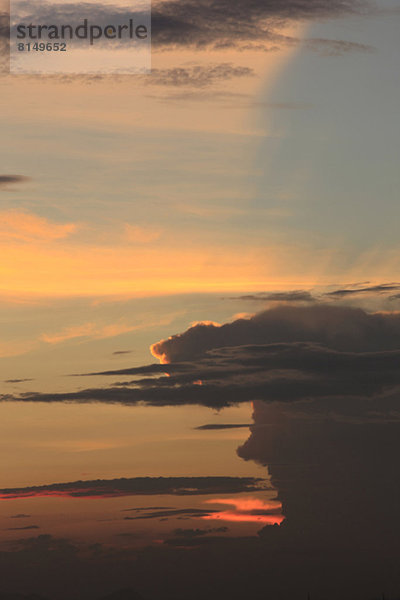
column 197, row 76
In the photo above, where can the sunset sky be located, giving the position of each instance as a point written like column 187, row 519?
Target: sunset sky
column 234, row 216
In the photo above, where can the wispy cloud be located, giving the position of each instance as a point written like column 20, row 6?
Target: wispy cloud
column 21, row 226
column 198, row 76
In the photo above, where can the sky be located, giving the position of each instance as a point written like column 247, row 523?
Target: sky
column 200, row 303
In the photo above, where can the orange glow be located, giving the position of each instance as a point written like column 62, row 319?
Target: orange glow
column 248, row 510
column 244, row 518
column 207, row 323
column 161, row 357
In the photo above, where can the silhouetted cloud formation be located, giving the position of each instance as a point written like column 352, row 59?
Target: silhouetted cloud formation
column 175, row 486
column 339, row 328
column 193, row 513
column 287, row 353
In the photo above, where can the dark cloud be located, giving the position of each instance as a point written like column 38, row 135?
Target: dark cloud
column 244, row 23
column 147, row 508
column 216, row 426
column 292, row 296
column 6, row 180
column 17, row 380
column 191, row 533
column 338, row 328
column 193, row 513
column 336, row 479
column 120, row 352
column 197, row 76
column 202, row 24
column 288, row 353
column 26, row 528
column 383, row 288
column 20, row 516
column 176, row 486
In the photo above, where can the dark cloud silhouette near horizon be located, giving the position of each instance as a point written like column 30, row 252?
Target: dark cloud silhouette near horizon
column 174, row 486
column 193, row 513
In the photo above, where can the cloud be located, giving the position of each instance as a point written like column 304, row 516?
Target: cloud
column 336, row 479
column 93, row 331
column 7, row 180
column 17, row 380
column 198, row 76
column 26, row 528
column 223, row 24
column 141, row 235
column 21, row 226
column 20, row 516
column 247, row 510
column 383, row 288
column 288, row 354
column 291, row 296
column 339, row 328
column 175, row 486
column 222, row 426
column 219, row 24
column 193, row 513
column 191, row 533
